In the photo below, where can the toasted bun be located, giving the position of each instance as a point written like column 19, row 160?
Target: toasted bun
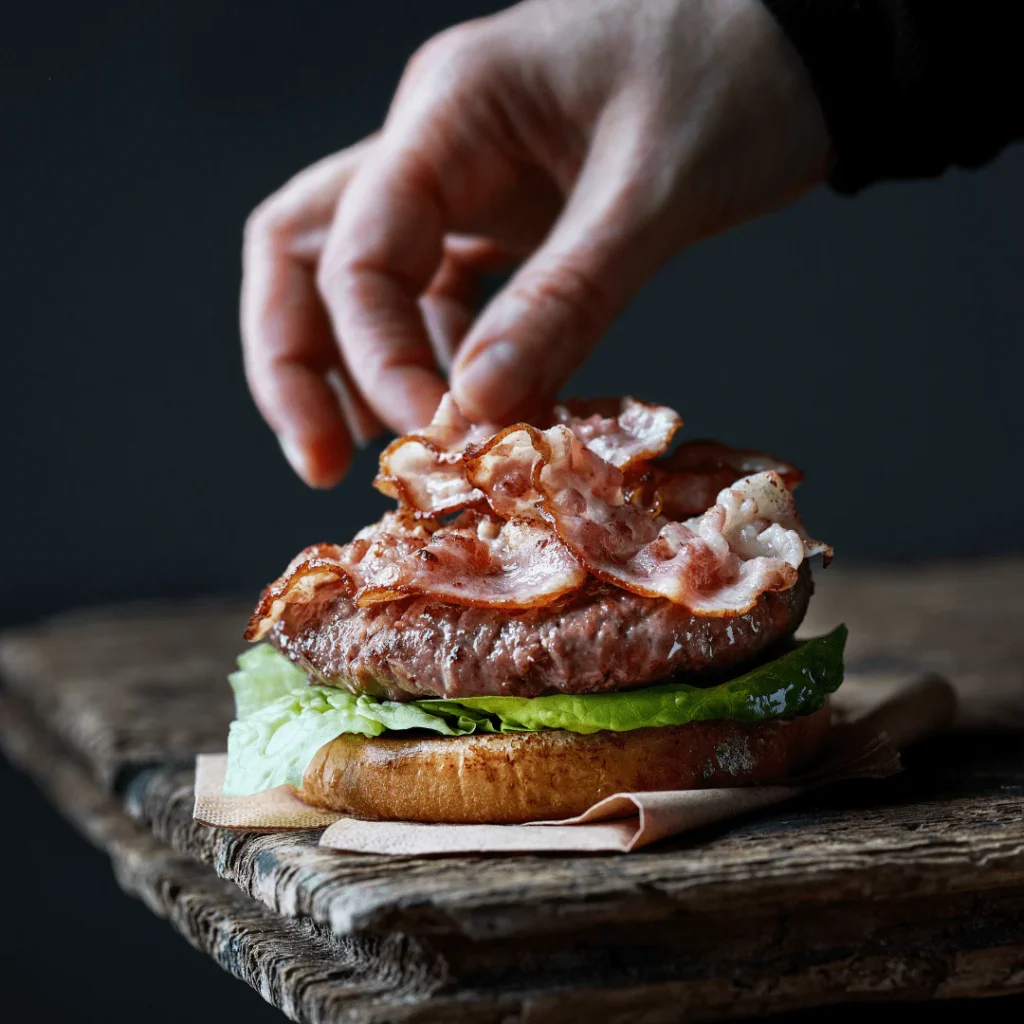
column 515, row 777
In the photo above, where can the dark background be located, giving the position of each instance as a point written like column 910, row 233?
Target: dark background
column 874, row 341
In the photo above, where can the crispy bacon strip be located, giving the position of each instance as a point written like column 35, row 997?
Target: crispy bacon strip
column 750, row 541
column 620, row 431
column 759, row 517
column 483, row 562
column 522, row 469
column 310, row 572
column 687, row 481
column 325, row 571
column 475, row 560
column 424, row 471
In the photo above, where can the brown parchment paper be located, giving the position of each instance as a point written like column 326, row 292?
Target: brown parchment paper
column 865, row 743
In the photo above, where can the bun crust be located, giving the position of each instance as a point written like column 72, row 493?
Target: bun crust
column 507, row 778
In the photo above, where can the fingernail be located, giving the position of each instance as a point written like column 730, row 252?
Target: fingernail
column 494, row 382
column 296, row 457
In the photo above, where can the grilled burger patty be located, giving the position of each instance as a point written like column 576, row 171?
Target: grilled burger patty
column 598, row 639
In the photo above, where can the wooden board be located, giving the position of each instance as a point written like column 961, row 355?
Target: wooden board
column 913, row 888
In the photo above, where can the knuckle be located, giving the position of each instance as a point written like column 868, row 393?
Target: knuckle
column 268, row 224
column 326, row 277
column 342, row 285
column 454, row 55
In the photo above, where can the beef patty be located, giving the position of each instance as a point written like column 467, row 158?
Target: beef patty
column 598, row 639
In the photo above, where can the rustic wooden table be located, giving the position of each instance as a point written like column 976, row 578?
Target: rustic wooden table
column 912, row 888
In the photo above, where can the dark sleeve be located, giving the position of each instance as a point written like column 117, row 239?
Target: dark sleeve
column 911, row 87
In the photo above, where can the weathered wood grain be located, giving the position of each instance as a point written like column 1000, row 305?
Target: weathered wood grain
column 130, row 686
column 294, row 964
column 962, row 620
column 912, row 888
column 959, row 830
column 913, row 949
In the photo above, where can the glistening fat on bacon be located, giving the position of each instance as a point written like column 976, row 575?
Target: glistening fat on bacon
column 477, row 560
column 621, row 431
column 686, row 482
column 324, row 571
column 424, row 471
column 483, row 562
column 719, row 563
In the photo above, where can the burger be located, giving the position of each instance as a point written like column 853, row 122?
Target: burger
column 551, row 614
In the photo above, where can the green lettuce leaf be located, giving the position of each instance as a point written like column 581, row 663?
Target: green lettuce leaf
column 282, row 721
column 264, row 675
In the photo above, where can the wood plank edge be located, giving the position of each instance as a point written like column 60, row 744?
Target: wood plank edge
column 314, row 978
column 296, row 966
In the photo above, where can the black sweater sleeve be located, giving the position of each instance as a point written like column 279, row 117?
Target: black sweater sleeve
column 911, row 87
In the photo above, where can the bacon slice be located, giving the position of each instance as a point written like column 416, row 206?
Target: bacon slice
column 313, row 570
column 686, row 482
column 760, row 518
column 325, row 571
column 371, row 555
column 522, row 470
column 424, row 471
column 475, row 560
column 483, row 562
column 750, row 541
column 620, row 431
column 703, row 455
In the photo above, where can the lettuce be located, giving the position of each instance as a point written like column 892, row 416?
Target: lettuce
column 282, row 721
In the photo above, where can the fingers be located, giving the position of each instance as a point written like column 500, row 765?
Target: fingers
column 378, row 260
column 292, row 364
column 438, row 170
column 544, row 323
column 288, row 354
column 513, row 228
column 449, row 303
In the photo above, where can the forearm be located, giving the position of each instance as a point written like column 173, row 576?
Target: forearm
column 909, row 88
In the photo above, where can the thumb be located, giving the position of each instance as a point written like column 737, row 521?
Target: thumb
column 538, row 330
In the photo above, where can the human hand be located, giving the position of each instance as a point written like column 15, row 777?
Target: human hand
column 588, row 140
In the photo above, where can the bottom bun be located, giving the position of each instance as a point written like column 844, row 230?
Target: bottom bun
column 507, row 778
